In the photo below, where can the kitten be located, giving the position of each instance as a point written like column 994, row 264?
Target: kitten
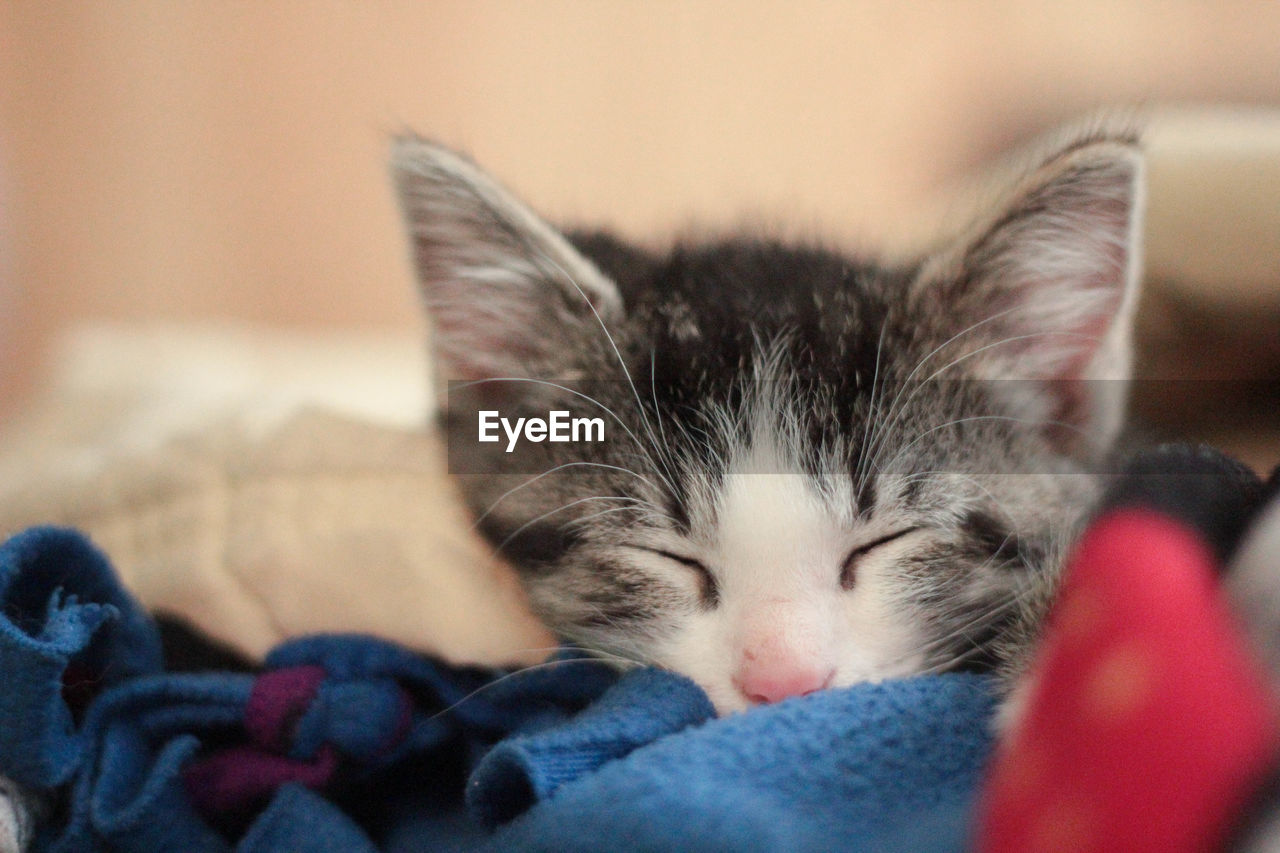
column 812, row 477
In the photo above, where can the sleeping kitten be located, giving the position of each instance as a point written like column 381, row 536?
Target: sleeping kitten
column 815, row 471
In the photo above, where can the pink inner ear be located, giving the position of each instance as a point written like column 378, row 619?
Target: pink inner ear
column 1074, row 400
column 1086, row 338
column 486, row 357
column 1060, row 256
column 474, row 343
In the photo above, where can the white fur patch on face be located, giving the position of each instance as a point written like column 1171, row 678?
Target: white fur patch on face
column 777, row 549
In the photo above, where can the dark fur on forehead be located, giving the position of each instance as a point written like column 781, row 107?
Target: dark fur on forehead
column 718, row 302
column 703, row 316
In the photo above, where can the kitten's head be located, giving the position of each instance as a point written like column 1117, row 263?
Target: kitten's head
column 809, row 477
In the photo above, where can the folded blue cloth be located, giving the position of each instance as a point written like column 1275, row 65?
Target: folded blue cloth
column 880, row 767
column 348, row 743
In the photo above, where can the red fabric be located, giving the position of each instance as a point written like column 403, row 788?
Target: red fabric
column 1149, row 726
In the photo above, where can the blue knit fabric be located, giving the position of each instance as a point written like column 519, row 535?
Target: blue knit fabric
column 390, row 751
column 525, row 769
column 881, row 767
column 59, row 601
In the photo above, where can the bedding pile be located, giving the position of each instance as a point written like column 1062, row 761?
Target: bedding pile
column 346, row 742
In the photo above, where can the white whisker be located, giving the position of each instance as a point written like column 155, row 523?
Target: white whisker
column 644, row 419
column 958, row 421
column 481, row 517
column 597, row 658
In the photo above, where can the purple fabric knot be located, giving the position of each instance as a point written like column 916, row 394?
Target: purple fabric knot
column 278, row 701
column 243, row 777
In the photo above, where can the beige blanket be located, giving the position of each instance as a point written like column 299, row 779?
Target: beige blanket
column 258, row 503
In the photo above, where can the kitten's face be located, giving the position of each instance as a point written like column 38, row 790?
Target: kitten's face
column 808, row 478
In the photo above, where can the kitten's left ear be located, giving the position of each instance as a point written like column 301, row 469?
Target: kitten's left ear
column 1046, row 290
column 507, row 295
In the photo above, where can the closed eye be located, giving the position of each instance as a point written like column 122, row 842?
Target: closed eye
column 708, row 589
column 849, row 570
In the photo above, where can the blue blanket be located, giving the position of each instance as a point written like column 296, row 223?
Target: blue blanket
column 348, row 743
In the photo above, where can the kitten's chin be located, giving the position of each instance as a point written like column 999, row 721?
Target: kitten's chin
column 726, row 701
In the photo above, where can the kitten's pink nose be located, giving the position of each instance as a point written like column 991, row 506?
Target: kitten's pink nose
column 772, row 681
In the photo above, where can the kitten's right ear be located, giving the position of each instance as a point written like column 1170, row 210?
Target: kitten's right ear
column 1045, row 289
column 506, row 294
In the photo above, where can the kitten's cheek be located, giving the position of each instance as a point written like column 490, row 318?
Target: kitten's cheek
column 1014, row 707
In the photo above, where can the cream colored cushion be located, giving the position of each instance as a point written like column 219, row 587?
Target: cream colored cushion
column 259, row 485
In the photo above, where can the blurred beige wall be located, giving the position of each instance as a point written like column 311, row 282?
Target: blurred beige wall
column 205, row 160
